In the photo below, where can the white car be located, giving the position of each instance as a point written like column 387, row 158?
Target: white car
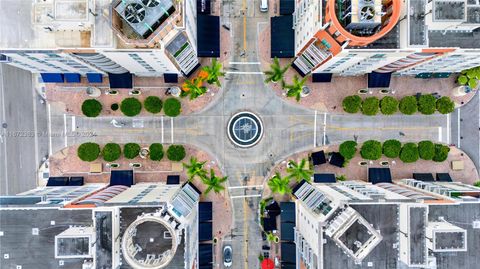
column 264, row 5
column 227, row 256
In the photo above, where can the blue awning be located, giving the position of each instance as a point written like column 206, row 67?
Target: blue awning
column 322, row 77
column 170, row 78
column 72, row 77
column 208, row 36
column 52, row 77
column 121, row 81
column 95, row 77
column 287, row 7
column 324, row 178
column 203, row 7
column 379, row 80
column 379, row 175
column 121, row 177
column 282, row 37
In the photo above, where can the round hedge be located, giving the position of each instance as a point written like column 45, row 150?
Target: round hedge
column 409, row 153
column 172, row 107
column 445, row 105
column 352, row 104
column 348, row 149
column 427, row 104
column 176, row 153
column 370, row 106
column 371, row 150
column 441, row 153
column 153, row 104
column 131, row 150
column 88, row 152
column 388, row 105
column 111, row 152
column 476, row 184
column 131, row 107
column 391, row 148
column 114, row 107
column 408, row 105
column 156, row 152
column 426, row 150
column 91, row 108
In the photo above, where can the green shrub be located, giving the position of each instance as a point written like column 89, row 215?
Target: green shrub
column 391, row 148
column 445, row 105
column 348, row 149
column 441, row 153
column 131, row 107
column 176, row 153
column 388, row 105
column 477, row 184
column 111, row 152
column 91, row 108
column 408, row 105
column 153, row 104
column 156, row 152
column 352, row 104
column 427, row 104
column 371, row 150
column 409, row 153
column 426, row 150
column 131, row 150
column 88, row 152
column 172, row 107
column 114, row 107
column 370, row 106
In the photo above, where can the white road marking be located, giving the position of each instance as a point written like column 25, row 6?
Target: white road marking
column 245, row 196
column 315, row 130
column 458, row 129
column 245, row 187
column 244, row 73
column 244, row 63
column 448, row 128
column 49, row 120
column 35, row 126
column 171, row 130
column 440, row 134
column 65, row 129
column 5, row 137
column 161, row 120
column 73, row 124
column 324, row 128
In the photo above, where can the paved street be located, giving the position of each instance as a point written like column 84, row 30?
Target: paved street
column 24, row 141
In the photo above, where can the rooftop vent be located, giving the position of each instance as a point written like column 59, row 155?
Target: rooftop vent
column 151, row 3
column 134, row 13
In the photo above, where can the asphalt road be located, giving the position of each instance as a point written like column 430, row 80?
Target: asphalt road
column 23, row 132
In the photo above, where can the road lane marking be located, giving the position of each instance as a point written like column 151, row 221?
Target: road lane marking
column 245, row 196
column 458, row 129
column 73, row 124
column 244, row 73
column 161, row 121
column 171, row 130
column 244, row 63
column 65, row 129
column 315, row 130
column 324, row 128
column 35, row 127
column 245, row 187
column 49, row 120
column 440, row 134
column 5, row 137
column 448, row 128
column 245, row 229
column 244, row 8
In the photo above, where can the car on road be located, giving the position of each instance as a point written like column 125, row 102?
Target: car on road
column 264, row 5
column 227, row 256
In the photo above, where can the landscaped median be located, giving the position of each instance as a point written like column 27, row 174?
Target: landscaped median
column 426, row 104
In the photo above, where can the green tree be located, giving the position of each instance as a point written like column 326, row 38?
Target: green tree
column 214, row 183
column 426, row 104
column 370, row 106
column 176, row 153
column 172, row 107
column 193, row 88
column 426, row 150
column 408, row 105
column 298, row 171
column 131, row 150
column 295, row 89
column 276, row 72
column 131, row 106
column 279, row 184
column 195, row 168
column 111, row 152
column 445, row 105
column 352, row 104
column 477, row 184
column 470, row 77
column 388, row 105
column 153, row 104
column 348, row 149
column 91, row 108
column 156, row 152
column 88, row 152
column 214, row 72
column 391, row 148
column 371, row 150
column 441, row 153
column 409, row 153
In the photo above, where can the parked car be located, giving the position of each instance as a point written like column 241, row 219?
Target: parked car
column 264, row 5
column 227, row 256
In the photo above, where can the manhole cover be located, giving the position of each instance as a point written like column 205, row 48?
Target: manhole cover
column 245, row 129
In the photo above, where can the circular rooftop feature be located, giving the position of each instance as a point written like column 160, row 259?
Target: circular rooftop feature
column 245, row 129
column 134, row 13
column 149, row 242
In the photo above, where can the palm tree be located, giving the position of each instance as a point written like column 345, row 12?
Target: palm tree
column 298, row 171
column 214, row 72
column 279, row 185
column 195, row 168
column 276, row 72
column 271, row 238
column 193, row 88
column 295, row 89
column 214, row 183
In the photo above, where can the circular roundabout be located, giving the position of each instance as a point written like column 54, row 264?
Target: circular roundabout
column 245, row 129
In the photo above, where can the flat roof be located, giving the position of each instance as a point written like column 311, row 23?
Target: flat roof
column 418, row 225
